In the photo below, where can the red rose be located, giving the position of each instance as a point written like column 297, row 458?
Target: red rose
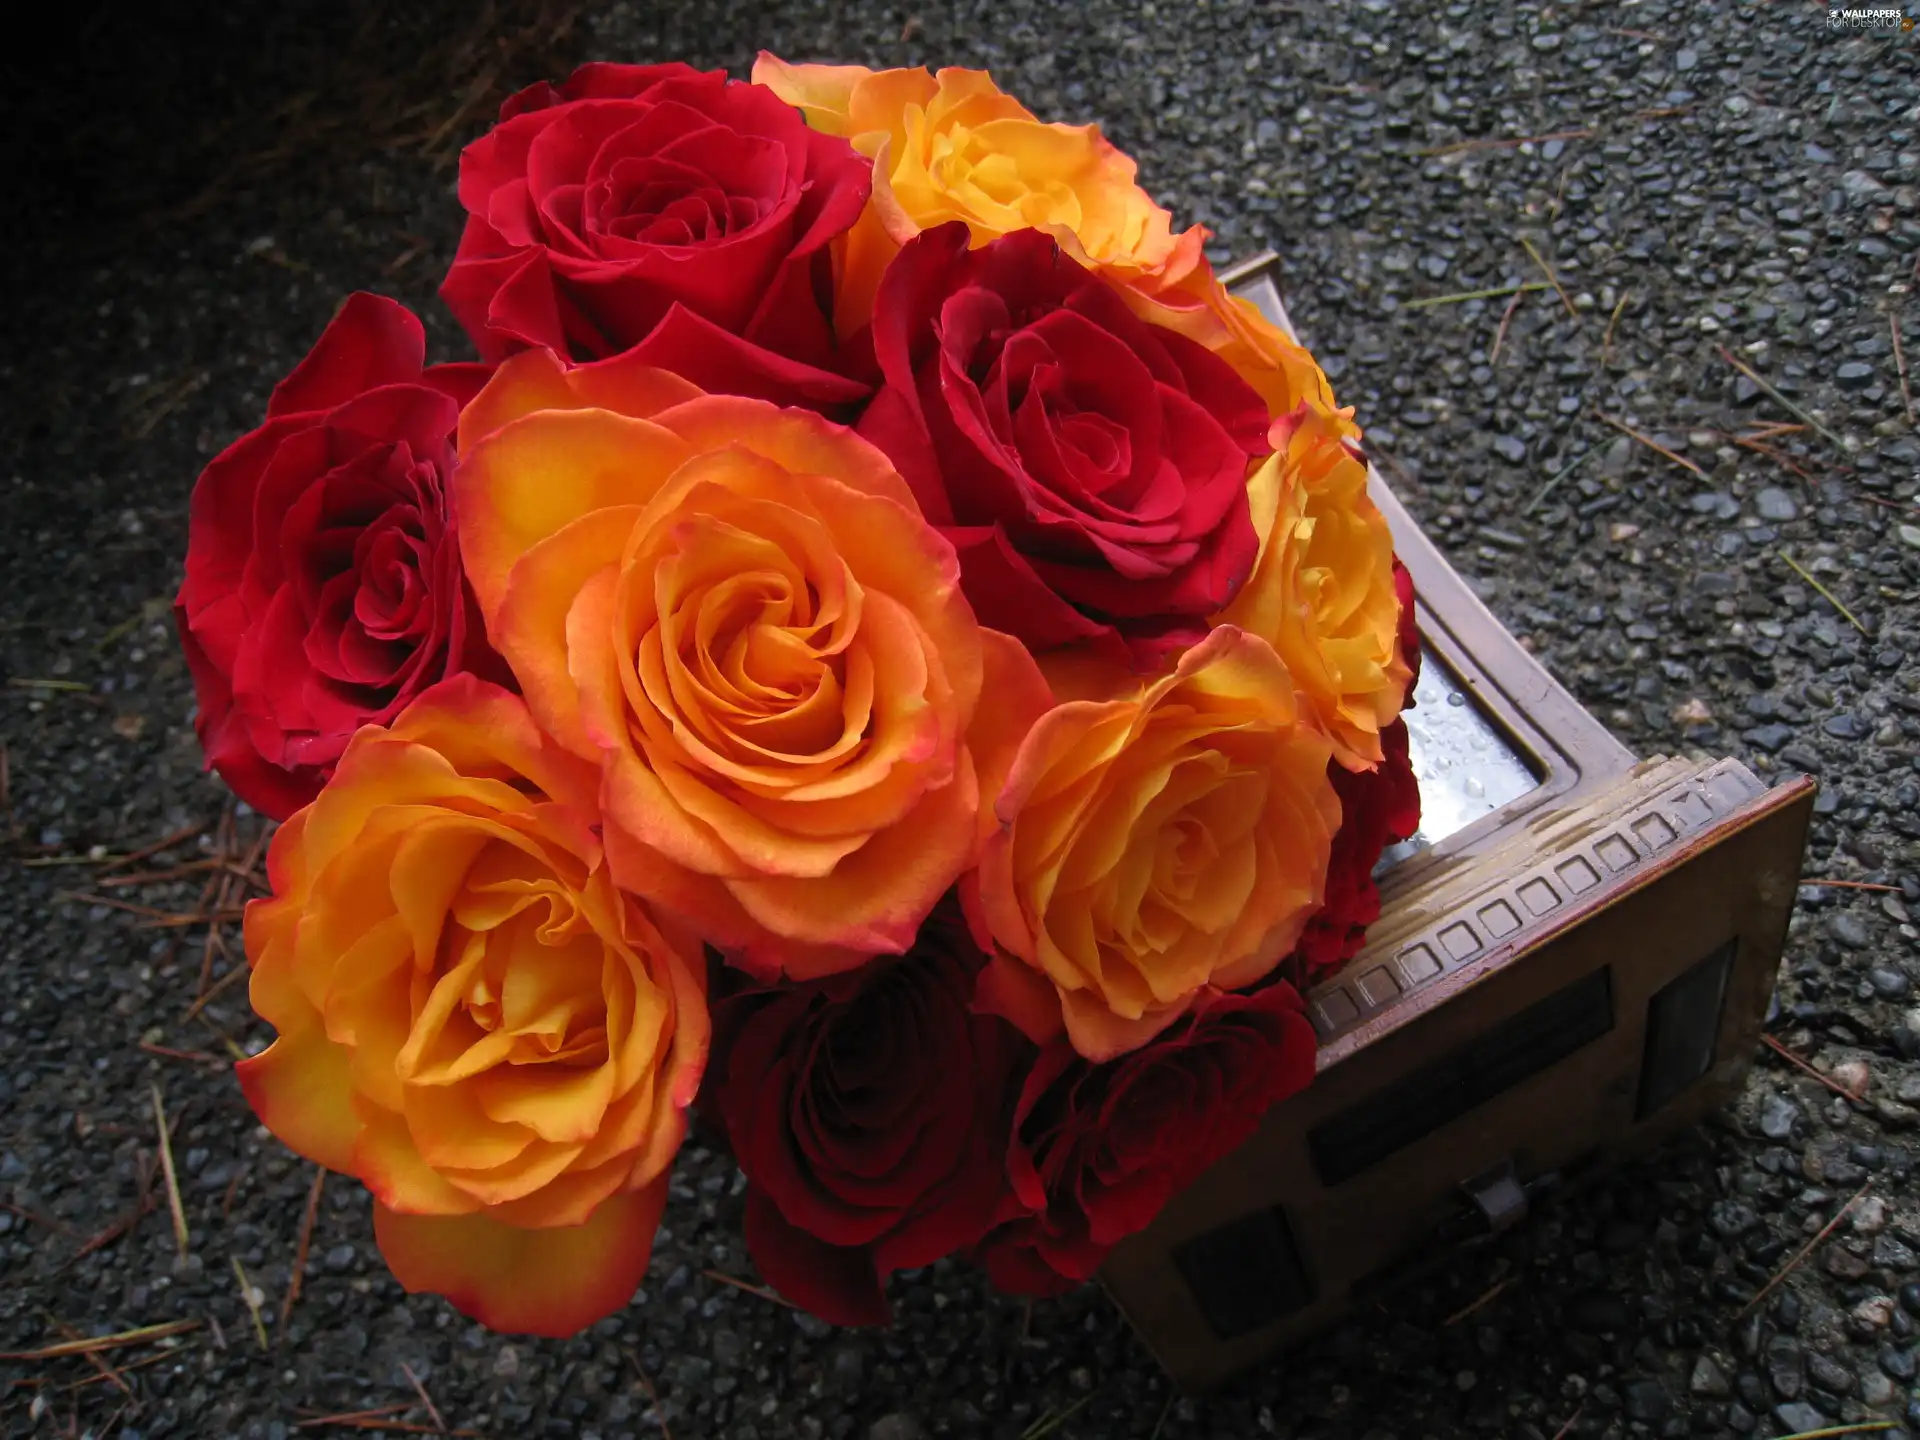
column 870, row 1113
column 1378, row 808
column 664, row 210
column 1098, row 1150
column 323, row 585
column 1409, row 628
column 1089, row 467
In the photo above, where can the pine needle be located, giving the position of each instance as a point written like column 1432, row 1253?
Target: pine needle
column 1825, row 593
column 1804, row 1251
column 1782, row 401
column 1053, row 1420
column 140, row 1335
column 253, row 1303
column 1606, row 344
column 1900, row 364
column 1651, row 444
column 1463, row 295
column 166, row 1167
column 301, row 1247
column 1552, row 279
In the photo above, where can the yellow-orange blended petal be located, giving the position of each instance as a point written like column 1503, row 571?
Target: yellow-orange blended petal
column 1151, row 843
column 553, row 1282
column 823, row 93
column 745, row 621
column 1322, row 591
column 298, row 1087
column 534, row 476
column 953, row 146
column 473, row 1021
column 540, row 380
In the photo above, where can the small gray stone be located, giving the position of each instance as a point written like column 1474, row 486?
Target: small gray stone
column 1648, row 1401
column 1685, row 60
column 1510, row 448
column 1853, row 376
column 1709, row 1379
column 1849, row 930
column 1778, row 1116
column 896, row 1427
column 1888, row 983
column 1775, row 504
column 1799, row 1416
column 1829, row 1375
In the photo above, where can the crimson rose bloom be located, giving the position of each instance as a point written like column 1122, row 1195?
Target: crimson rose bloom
column 666, row 210
column 870, row 1112
column 1378, row 808
column 1099, row 1149
column 1090, row 468
column 323, row 586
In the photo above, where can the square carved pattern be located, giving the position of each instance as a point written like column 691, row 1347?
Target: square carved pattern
column 1529, row 899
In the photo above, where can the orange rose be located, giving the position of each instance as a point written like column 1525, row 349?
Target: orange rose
column 1322, row 590
column 472, row 1019
column 738, row 614
column 1152, row 845
column 953, row 146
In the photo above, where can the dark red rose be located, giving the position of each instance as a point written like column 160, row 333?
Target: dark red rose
column 1409, row 628
column 1090, row 468
column 324, row 586
column 1098, row 1150
column 1378, row 808
column 664, row 210
column 870, row 1112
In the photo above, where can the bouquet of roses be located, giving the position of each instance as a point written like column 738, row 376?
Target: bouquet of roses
column 882, row 648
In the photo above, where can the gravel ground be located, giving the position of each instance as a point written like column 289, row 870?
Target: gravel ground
column 1730, row 174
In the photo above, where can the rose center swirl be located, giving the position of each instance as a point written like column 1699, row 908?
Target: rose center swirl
column 752, row 653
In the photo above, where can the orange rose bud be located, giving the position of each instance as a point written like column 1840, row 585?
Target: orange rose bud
column 1153, row 844
column 472, row 1019
column 738, row 615
column 1322, row 591
column 953, row 146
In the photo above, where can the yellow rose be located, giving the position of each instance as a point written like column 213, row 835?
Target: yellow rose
column 1151, row 842
column 953, row 146
column 472, row 1020
column 1322, row 591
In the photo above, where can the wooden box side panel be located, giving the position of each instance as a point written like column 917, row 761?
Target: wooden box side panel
column 1735, row 883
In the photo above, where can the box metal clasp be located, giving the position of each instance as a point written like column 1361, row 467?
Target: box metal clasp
column 1498, row 1197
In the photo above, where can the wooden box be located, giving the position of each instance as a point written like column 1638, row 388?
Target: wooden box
column 1573, row 961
